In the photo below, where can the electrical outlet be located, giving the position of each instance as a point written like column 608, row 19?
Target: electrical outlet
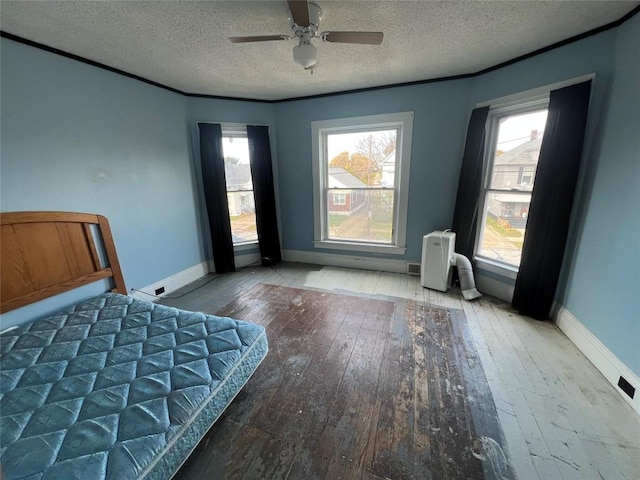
column 159, row 290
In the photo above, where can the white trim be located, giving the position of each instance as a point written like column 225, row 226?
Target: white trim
column 172, row 282
column 499, row 268
column 403, row 121
column 493, row 287
column 403, row 153
column 240, row 247
column 520, row 97
column 360, row 247
column 598, row 354
column 185, row 277
column 346, row 261
column 212, row 266
column 246, row 260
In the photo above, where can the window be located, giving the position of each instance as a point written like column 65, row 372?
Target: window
column 361, row 176
column 242, row 210
column 515, row 137
column 339, row 198
column 526, row 175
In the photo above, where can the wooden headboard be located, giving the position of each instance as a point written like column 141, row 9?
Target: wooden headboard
column 46, row 253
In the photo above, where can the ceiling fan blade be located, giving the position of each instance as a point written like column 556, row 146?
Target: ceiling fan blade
column 299, row 12
column 369, row 38
column 258, row 38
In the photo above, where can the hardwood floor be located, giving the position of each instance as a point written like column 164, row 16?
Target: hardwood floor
column 560, row 417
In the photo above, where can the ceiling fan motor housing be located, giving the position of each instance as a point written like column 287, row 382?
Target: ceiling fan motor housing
column 305, row 33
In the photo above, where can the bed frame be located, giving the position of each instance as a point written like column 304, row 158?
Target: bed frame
column 47, row 253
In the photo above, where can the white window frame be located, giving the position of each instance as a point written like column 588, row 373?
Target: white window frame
column 238, row 130
column 403, row 122
column 526, row 105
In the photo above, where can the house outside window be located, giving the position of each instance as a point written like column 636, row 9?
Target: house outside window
column 242, row 209
column 361, row 176
column 513, row 147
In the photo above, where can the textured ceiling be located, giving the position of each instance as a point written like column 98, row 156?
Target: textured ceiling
column 183, row 44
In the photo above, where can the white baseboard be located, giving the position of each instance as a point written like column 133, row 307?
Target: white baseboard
column 493, row 287
column 597, row 353
column 180, row 279
column 172, row 282
column 346, row 261
column 244, row 260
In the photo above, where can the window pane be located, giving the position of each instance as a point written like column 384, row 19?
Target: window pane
column 242, row 210
column 505, row 219
column 365, row 215
column 362, row 159
column 517, row 150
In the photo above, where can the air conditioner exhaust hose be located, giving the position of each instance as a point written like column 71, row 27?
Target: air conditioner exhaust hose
column 465, row 274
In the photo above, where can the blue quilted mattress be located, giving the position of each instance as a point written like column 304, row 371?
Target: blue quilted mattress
column 117, row 388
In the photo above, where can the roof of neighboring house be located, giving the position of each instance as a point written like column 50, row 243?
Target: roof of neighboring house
column 340, row 178
column 524, row 154
column 390, row 159
column 238, row 176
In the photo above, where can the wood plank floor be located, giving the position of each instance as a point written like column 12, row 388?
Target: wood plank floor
column 560, row 417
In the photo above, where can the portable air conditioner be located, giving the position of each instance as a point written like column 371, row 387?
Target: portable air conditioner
column 437, row 255
column 438, row 258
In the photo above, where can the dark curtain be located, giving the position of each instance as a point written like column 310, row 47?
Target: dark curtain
column 264, row 194
column 465, row 216
column 215, row 194
column 551, row 201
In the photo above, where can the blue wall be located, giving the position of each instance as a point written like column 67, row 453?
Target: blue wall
column 79, row 138
column 603, row 272
column 439, row 127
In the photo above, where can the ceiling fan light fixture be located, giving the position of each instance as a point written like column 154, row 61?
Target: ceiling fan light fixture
column 305, row 54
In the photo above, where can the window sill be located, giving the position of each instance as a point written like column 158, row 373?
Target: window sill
column 499, row 268
column 240, row 247
column 360, row 247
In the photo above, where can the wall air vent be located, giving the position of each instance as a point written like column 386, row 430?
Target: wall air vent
column 413, row 268
column 626, row 387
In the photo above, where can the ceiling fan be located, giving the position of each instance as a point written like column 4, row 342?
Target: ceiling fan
column 305, row 22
